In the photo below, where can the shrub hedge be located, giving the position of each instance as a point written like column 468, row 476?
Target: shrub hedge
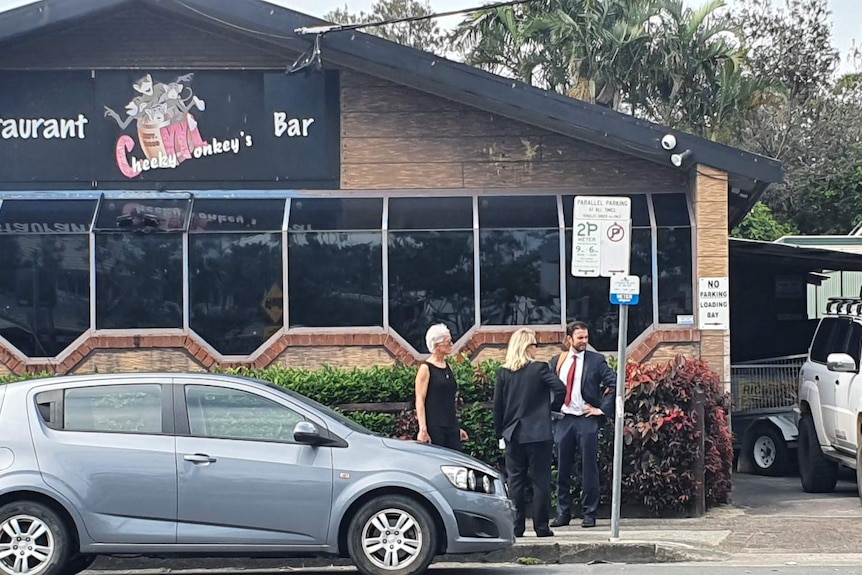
column 659, row 431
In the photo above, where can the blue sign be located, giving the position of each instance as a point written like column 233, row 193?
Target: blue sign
column 625, row 298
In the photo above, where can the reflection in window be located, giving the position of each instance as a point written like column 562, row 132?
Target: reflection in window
column 233, row 414
column 675, row 282
column 139, row 280
column 143, row 214
column 335, row 279
column 44, row 291
column 588, row 298
column 520, row 277
column 430, row 281
column 235, row 289
column 114, row 408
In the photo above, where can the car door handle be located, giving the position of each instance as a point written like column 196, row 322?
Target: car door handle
column 200, row 458
column 816, row 378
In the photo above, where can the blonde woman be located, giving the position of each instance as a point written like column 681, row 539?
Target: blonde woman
column 524, row 396
column 435, row 389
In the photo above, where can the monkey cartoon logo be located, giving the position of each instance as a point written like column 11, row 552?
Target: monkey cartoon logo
column 166, row 128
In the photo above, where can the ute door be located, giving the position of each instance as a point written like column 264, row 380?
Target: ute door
column 830, row 338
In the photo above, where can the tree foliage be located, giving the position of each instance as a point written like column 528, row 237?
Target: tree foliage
column 762, row 225
column 421, row 34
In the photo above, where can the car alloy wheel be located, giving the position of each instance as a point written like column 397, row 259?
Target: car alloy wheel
column 392, row 539
column 26, row 545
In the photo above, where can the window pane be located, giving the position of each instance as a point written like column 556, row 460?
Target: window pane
column 312, row 214
column 237, row 215
column 430, row 213
column 671, row 210
column 823, row 340
column 114, row 408
column 232, row 414
column 44, row 216
column 430, row 281
column 44, row 291
column 520, row 277
column 139, row 281
column 346, row 290
column 235, row 289
column 675, row 282
column 640, row 210
column 143, row 214
column 518, row 212
column 588, row 299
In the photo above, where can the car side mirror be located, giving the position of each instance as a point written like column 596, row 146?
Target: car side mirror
column 841, row 362
column 310, row 434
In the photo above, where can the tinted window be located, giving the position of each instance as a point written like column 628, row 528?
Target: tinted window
column 314, row 214
column 430, row 213
column 139, row 281
column 232, row 414
column 640, row 210
column 520, row 277
column 236, row 296
column 237, row 215
column 44, row 291
column 430, row 281
column 854, row 342
column 671, row 210
column 114, row 408
column 45, row 216
column 143, row 214
column 587, row 299
column 825, row 340
column 518, row 212
column 675, row 275
column 336, row 279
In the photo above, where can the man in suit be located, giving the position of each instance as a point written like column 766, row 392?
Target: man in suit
column 590, row 395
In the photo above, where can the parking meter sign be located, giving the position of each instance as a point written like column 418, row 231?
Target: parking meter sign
column 601, row 242
column 585, row 249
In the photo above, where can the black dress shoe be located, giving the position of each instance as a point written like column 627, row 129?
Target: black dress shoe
column 561, row 521
column 544, row 533
column 588, row 522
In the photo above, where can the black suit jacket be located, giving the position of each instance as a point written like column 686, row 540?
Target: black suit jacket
column 523, row 401
column 598, row 381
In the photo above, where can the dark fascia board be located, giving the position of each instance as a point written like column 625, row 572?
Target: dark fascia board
column 273, row 24
column 804, row 258
column 38, row 15
column 466, row 84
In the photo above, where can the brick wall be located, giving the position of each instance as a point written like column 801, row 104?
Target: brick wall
column 108, row 361
column 337, row 356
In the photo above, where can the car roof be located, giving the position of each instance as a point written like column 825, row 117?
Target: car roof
column 100, row 378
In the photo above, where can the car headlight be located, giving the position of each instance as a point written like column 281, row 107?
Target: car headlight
column 468, row 479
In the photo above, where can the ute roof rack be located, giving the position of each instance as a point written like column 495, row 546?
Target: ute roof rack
column 844, row 306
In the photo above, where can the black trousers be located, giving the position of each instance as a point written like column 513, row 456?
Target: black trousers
column 577, row 435
column 445, row 436
column 526, row 462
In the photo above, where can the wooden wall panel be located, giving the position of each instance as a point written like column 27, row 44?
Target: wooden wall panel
column 316, row 357
column 118, row 361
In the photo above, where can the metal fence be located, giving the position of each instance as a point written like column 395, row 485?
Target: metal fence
column 765, row 384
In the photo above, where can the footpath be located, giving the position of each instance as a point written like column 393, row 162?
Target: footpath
column 771, row 521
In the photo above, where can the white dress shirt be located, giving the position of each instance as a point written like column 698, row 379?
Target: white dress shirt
column 577, row 405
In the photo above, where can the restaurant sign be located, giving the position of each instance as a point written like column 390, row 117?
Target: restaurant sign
column 195, row 129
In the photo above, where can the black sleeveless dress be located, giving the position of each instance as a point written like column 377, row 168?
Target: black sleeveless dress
column 440, row 416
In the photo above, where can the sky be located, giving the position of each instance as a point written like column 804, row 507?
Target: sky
column 846, row 23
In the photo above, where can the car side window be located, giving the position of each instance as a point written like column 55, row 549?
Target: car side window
column 113, row 409
column 823, row 345
column 224, row 413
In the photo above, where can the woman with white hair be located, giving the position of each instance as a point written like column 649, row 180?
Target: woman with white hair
column 524, row 396
column 435, row 393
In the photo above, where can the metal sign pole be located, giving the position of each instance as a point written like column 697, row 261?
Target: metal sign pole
column 619, row 417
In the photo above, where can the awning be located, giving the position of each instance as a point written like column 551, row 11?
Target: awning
column 754, row 252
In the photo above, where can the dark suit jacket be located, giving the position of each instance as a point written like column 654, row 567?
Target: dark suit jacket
column 523, row 401
column 598, row 381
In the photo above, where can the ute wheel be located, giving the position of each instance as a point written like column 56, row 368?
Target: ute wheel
column 768, row 451
column 818, row 474
column 392, row 535
column 859, row 472
column 33, row 540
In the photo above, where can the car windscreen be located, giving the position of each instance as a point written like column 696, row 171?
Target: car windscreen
column 328, row 411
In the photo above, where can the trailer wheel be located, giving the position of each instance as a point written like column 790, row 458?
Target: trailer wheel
column 767, row 450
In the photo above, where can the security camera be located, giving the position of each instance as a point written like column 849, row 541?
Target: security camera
column 668, row 142
column 679, row 159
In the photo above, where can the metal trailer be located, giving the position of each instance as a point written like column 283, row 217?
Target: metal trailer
column 763, row 416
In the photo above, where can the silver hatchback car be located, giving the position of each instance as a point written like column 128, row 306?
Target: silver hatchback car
column 205, row 464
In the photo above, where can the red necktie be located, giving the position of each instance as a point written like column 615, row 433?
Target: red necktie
column 570, row 379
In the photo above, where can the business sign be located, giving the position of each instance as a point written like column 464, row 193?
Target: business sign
column 187, row 128
column 601, row 239
column 713, row 303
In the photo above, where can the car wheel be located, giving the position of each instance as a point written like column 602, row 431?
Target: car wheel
column 80, row 562
column 818, row 474
column 768, row 451
column 392, row 535
column 33, row 540
column 859, row 471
